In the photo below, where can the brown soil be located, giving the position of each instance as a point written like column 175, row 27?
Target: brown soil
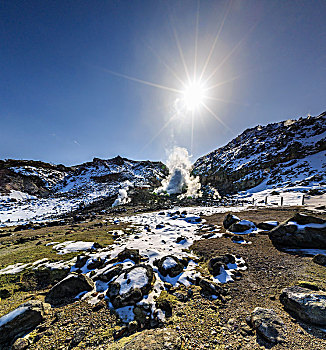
column 269, row 271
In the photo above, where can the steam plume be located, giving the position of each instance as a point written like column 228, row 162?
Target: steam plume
column 180, row 179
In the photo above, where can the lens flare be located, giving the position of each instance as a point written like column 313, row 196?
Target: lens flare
column 193, row 96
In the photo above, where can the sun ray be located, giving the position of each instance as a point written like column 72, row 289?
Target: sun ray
column 224, row 82
column 222, row 100
column 216, row 117
column 163, row 87
column 165, row 64
column 176, row 38
column 158, row 133
column 215, row 40
column 192, row 132
column 196, row 38
column 226, row 58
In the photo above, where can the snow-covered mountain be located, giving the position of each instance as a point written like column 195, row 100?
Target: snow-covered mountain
column 285, row 154
column 34, row 189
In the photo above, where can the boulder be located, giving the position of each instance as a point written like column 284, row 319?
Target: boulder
column 107, row 275
column 319, row 259
column 131, row 285
column 306, row 304
column 69, row 288
column 95, row 263
column 215, row 264
column 301, row 231
column 267, row 225
column 209, row 287
column 81, row 260
column 170, row 265
column 21, row 321
column 131, row 254
column 268, row 325
column 242, row 226
column 229, row 220
column 155, row 339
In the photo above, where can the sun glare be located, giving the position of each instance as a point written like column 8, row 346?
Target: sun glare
column 193, row 95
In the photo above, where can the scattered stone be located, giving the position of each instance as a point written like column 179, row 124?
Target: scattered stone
column 131, row 285
column 319, row 259
column 308, row 305
column 68, row 288
column 155, row 339
column 301, row 231
column 170, row 265
column 21, row 320
column 229, row 220
column 268, row 325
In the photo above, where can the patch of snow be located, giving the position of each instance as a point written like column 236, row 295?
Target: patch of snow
column 72, row 246
column 169, row 263
column 136, row 278
column 12, row 315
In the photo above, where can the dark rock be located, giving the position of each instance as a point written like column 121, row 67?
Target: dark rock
column 132, row 326
column 210, row 287
column 107, row 275
column 21, row 320
column 169, row 265
column 290, row 234
column 308, row 305
column 268, row 325
column 81, row 261
column 131, row 285
column 95, row 263
column 215, row 264
column 159, row 226
column 242, row 226
column 131, row 254
column 180, row 239
column 267, row 226
column 68, row 288
column 229, row 220
column 303, row 219
column 319, row 259
column 5, row 293
column 155, row 339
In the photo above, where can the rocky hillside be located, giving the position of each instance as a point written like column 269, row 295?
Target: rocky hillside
column 29, row 176
column 44, row 179
column 285, row 154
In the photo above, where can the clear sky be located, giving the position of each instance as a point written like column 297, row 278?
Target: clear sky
column 61, row 103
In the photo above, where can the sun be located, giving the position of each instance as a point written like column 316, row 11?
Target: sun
column 193, row 95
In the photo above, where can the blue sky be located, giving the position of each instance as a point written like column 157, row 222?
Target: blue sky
column 60, row 102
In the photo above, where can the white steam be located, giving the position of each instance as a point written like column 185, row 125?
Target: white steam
column 180, row 179
column 122, row 195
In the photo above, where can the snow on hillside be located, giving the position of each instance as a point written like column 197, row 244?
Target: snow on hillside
column 75, row 186
column 284, row 154
column 50, row 177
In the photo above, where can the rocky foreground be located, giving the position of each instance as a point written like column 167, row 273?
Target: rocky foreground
column 183, row 279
